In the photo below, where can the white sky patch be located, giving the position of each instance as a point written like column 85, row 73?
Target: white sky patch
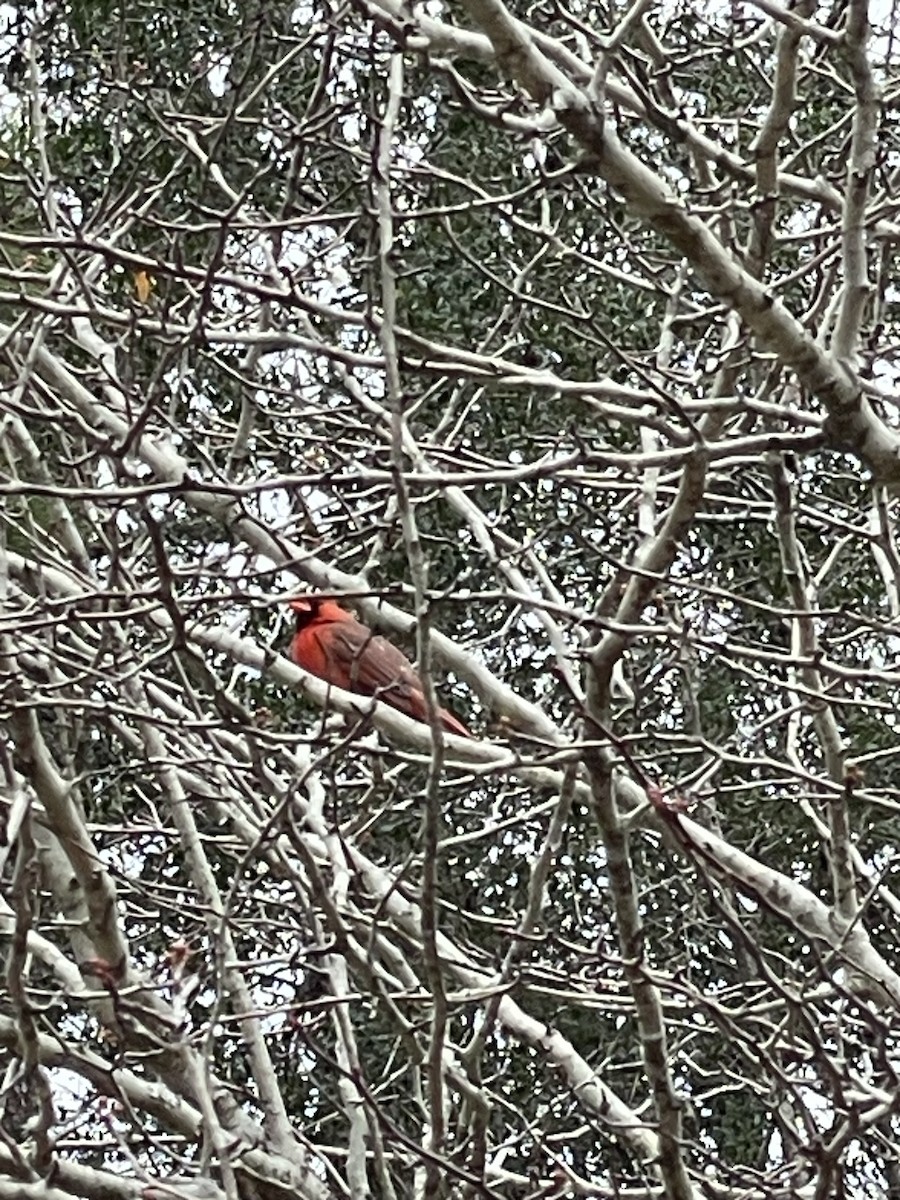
column 217, row 76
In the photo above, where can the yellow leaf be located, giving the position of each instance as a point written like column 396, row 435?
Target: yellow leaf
column 143, row 285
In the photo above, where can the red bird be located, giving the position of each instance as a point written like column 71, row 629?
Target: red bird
column 332, row 644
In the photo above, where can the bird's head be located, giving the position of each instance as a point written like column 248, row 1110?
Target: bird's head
column 311, row 608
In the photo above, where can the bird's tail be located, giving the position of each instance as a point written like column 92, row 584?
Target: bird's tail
column 451, row 724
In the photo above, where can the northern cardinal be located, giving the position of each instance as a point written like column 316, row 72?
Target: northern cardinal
column 331, row 643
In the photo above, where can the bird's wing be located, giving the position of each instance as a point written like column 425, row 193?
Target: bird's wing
column 372, row 664
column 363, row 662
